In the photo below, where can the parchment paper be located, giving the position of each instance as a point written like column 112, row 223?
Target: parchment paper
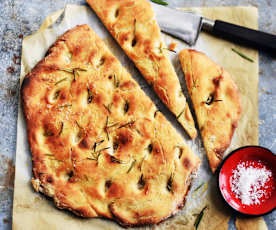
column 34, row 211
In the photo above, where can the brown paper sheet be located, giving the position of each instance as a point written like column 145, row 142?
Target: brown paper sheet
column 35, row 211
column 251, row 224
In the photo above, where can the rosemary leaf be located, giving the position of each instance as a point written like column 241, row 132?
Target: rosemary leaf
column 56, row 95
column 134, row 32
column 96, row 144
column 126, row 107
column 126, row 124
column 116, row 160
column 115, row 145
column 116, row 82
column 169, row 50
column 160, row 2
column 107, row 135
column 150, row 147
column 61, row 129
column 76, row 74
column 141, row 182
column 155, row 113
column 198, row 187
column 170, row 181
column 199, row 217
column 179, row 115
column 63, row 79
column 110, row 126
column 242, row 55
column 79, row 125
column 66, row 70
column 107, row 108
column 211, row 99
column 131, row 166
column 102, row 150
column 106, row 129
column 92, row 159
column 90, row 96
column 64, row 106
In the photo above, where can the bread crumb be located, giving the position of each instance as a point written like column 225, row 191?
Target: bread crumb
column 172, row 46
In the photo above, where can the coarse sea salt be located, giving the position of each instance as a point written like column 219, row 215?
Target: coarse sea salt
column 248, row 182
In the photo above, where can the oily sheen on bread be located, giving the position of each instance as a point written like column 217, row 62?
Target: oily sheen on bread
column 99, row 146
column 133, row 25
column 216, row 101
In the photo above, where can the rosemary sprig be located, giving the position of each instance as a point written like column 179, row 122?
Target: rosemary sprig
column 160, row 2
column 73, row 71
column 199, row 217
column 63, row 79
column 96, row 154
column 242, row 55
column 179, row 115
column 101, row 150
column 131, row 166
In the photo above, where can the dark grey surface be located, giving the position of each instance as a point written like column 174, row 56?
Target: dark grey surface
column 21, row 18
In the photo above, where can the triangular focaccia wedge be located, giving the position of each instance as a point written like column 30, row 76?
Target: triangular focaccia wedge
column 99, row 145
column 216, row 101
column 132, row 23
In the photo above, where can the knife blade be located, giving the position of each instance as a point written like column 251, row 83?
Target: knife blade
column 187, row 26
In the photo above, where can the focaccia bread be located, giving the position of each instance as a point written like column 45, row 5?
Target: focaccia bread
column 132, row 23
column 99, row 145
column 216, row 101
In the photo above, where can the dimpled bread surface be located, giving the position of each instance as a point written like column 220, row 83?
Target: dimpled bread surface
column 132, row 23
column 216, row 101
column 100, row 147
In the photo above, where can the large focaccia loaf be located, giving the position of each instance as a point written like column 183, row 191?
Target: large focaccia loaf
column 216, row 101
column 133, row 25
column 99, row 145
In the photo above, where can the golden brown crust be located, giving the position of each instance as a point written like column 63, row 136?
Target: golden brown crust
column 133, row 25
column 216, row 102
column 99, row 146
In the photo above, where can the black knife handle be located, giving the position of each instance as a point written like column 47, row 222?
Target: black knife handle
column 245, row 36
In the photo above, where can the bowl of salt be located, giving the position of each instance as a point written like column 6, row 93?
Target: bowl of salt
column 247, row 180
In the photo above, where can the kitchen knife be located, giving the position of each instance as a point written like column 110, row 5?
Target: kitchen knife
column 187, row 25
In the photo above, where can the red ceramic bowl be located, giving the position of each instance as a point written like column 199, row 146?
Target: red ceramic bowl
column 248, row 153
